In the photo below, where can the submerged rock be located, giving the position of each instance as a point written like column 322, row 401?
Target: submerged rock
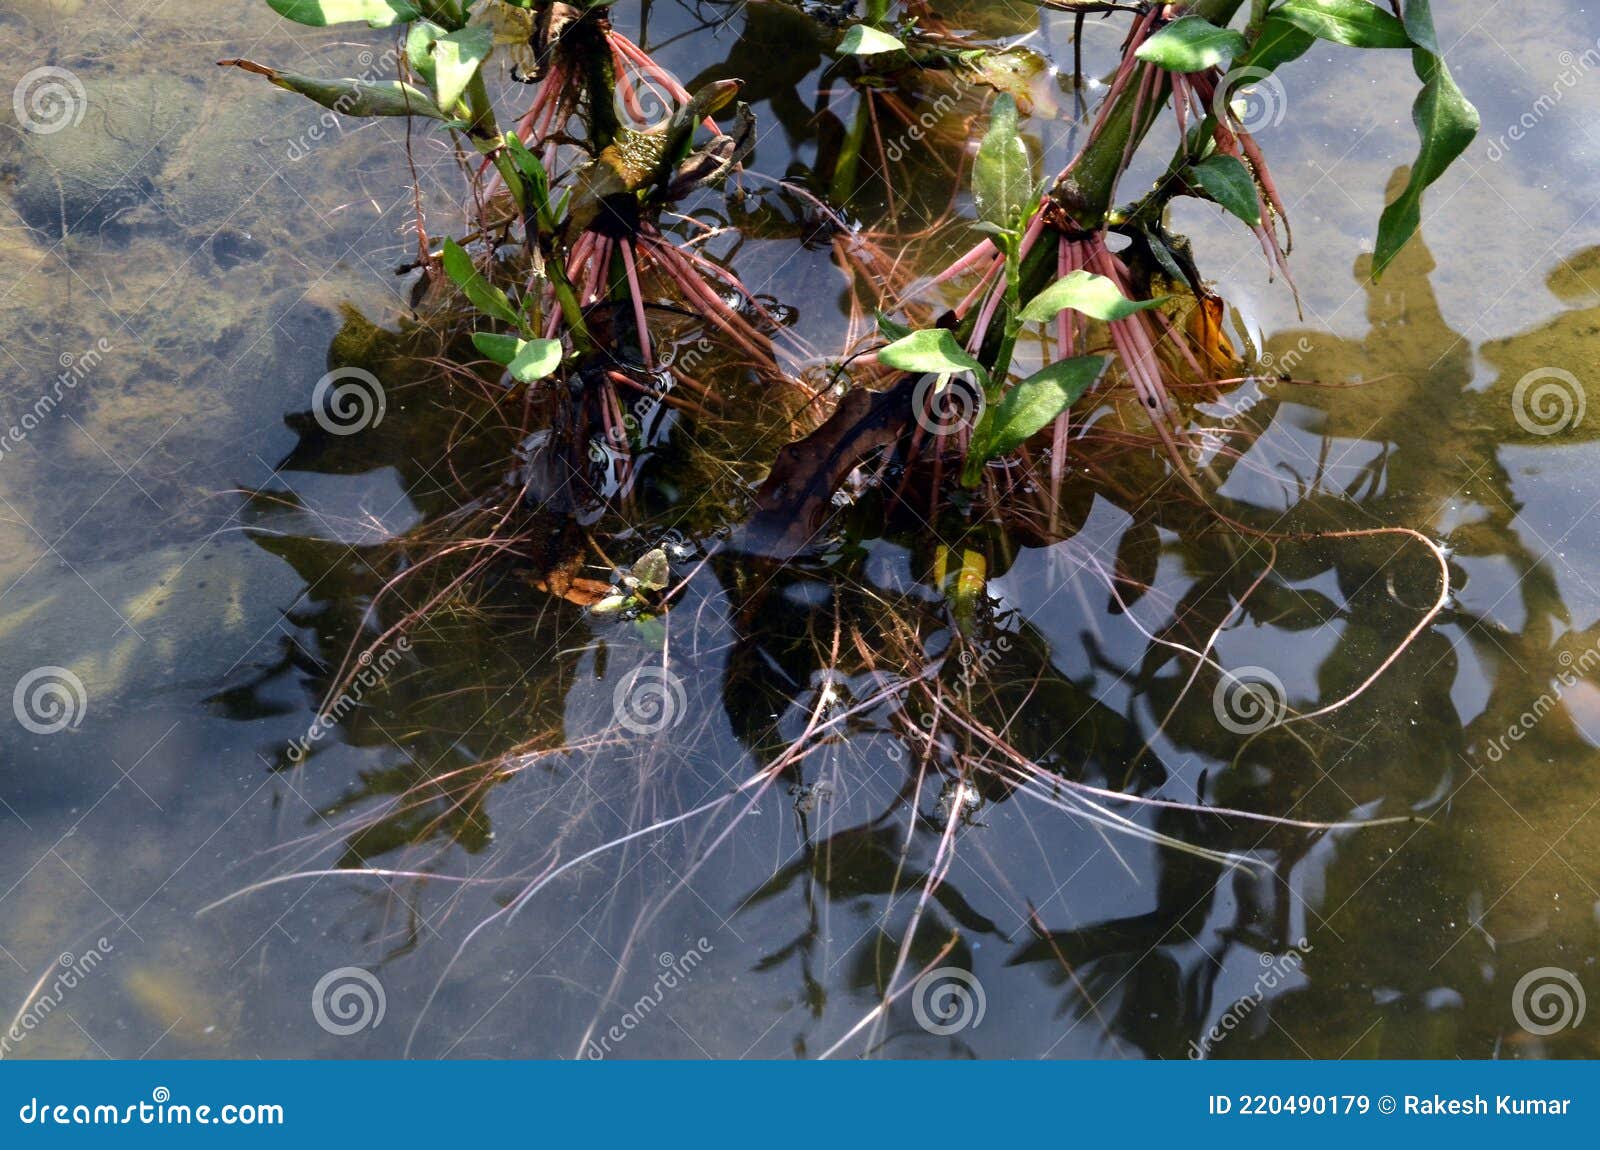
column 224, row 171
column 168, row 998
column 127, row 629
column 105, row 151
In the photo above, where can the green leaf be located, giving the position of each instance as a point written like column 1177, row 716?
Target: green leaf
column 538, row 181
column 528, row 360
column 1227, row 181
column 651, row 630
column 650, row 572
column 351, row 97
column 420, row 39
column 1418, row 20
column 484, row 296
column 321, row 13
column 1191, row 44
column 1278, row 42
column 890, row 329
column 1353, row 22
column 1033, row 403
column 363, row 97
column 537, row 359
column 1446, row 122
column 1162, row 254
column 930, row 350
column 865, row 40
column 1002, row 173
column 500, row 348
column 456, row 59
column 1084, row 291
column 527, row 163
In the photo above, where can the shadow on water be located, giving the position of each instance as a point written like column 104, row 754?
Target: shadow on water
column 503, row 758
column 468, row 773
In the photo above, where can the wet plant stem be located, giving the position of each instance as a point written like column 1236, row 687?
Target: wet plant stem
column 571, row 308
column 1012, row 326
column 1258, row 18
column 1087, row 187
column 485, row 135
column 450, row 14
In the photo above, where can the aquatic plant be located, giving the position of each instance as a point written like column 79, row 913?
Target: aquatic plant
column 1173, row 53
column 1070, row 308
column 589, row 244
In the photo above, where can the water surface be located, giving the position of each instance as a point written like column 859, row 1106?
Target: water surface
column 182, row 535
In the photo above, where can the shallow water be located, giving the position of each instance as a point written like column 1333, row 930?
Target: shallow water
column 184, row 538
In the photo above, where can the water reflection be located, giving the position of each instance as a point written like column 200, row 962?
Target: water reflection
column 512, row 755
column 486, row 759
